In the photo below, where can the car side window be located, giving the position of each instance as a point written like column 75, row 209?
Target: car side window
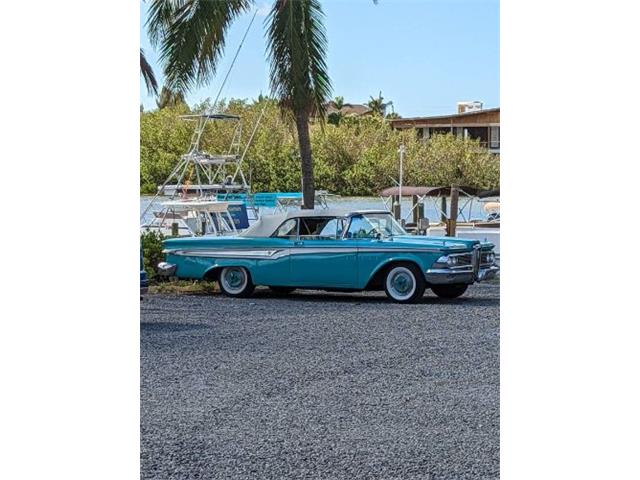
column 359, row 228
column 318, row 228
column 332, row 229
column 288, row 229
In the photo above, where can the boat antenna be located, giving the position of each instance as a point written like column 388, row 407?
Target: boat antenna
column 246, row 148
column 203, row 120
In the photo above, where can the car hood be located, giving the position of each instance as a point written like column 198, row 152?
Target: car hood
column 444, row 243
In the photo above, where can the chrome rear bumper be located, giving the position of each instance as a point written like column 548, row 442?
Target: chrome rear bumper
column 443, row 276
column 166, row 269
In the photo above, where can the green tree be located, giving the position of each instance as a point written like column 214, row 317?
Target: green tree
column 192, row 36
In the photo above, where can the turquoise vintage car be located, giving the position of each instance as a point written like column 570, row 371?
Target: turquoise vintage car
column 331, row 250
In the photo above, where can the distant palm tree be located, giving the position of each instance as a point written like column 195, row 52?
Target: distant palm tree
column 335, row 117
column 147, row 74
column 191, row 36
column 377, row 104
column 170, row 98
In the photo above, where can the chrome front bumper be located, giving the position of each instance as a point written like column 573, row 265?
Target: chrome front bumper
column 444, row 276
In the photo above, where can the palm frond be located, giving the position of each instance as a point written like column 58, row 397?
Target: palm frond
column 297, row 46
column 161, row 15
column 191, row 37
column 147, row 74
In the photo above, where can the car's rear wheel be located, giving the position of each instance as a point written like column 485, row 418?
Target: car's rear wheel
column 236, row 282
column 449, row 291
column 282, row 290
column 404, row 283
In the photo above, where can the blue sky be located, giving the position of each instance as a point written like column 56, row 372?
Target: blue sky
column 424, row 55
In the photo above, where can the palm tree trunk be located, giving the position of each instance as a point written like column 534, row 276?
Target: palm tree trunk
column 308, row 183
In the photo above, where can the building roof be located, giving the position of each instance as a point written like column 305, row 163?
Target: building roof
column 484, row 116
column 408, row 191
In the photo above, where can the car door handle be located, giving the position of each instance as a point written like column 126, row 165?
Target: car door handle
column 298, row 243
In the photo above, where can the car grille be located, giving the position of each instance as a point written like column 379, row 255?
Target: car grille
column 464, row 260
column 476, row 260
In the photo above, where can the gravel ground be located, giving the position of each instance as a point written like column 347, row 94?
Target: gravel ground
column 320, row 386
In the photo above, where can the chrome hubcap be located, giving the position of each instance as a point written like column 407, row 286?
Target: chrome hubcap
column 402, row 283
column 234, row 279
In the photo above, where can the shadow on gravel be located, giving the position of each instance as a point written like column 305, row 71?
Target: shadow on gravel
column 170, row 327
column 366, row 299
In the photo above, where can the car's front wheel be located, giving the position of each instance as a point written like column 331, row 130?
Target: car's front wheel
column 236, row 282
column 404, row 283
column 449, row 291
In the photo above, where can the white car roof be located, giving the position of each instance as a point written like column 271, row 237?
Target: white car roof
column 267, row 225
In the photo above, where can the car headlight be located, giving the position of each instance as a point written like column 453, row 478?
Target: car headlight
column 447, row 261
column 453, row 261
column 491, row 257
column 443, row 259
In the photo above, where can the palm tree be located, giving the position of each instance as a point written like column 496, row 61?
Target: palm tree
column 147, row 73
column 191, row 36
column 335, row 117
column 377, row 104
column 169, row 98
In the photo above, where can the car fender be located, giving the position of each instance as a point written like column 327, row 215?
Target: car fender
column 370, row 271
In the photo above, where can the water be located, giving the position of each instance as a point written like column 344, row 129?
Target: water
column 472, row 210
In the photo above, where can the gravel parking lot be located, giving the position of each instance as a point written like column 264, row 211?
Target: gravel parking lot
column 320, row 386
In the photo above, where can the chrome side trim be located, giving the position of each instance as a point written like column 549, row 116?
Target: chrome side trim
column 319, row 251
column 220, row 253
column 400, row 250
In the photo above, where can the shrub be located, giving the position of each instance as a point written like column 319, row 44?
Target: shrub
column 151, row 242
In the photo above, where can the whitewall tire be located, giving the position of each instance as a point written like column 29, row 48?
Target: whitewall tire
column 404, row 283
column 236, row 282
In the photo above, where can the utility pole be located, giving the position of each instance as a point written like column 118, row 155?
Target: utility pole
column 398, row 209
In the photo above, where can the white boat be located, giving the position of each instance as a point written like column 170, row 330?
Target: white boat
column 192, row 218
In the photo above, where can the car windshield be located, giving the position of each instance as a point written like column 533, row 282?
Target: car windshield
column 369, row 225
